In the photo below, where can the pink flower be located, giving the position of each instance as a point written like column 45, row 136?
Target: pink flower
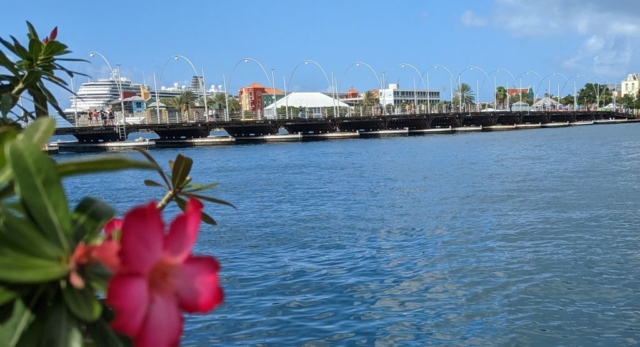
column 158, row 276
column 105, row 253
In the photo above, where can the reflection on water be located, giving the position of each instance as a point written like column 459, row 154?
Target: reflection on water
column 524, row 238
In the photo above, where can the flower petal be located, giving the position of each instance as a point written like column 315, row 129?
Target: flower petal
column 183, row 231
column 111, row 226
column 197, row 285
column 163, row 325
column 129, row 297
column 107, row 254
column 142, row 238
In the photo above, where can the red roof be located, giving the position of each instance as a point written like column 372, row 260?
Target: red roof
column 516, row 91
column 266, row 90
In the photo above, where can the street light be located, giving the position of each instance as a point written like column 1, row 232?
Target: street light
column 246, row 60
column 273, row 83
column 415, row 96
column 460, row 84
column 495, row 87
column 520, row 76
column 575, row 96
column 204, row 93
column 119, row 84
column 480, row 88
column 358, row 63
column 306, row 62
column 450, row 80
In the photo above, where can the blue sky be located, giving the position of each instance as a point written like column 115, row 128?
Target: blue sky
column 571, row 37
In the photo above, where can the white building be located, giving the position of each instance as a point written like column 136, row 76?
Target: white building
column 630, row 85
column 395, row 96
column 316, row 104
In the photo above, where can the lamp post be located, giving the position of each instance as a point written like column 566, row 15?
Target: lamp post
column 204, row 94
column 450, row 81
column 246, row 60
column 495, row 87
column 460, row 85
column 478, row 93
column 526, row 73
column 226, row 99
column 357, row 64
column 119, row 84
column 565, row 79
column 273, row 90
column 415, row 97
column 306, row 62
column 575, row 96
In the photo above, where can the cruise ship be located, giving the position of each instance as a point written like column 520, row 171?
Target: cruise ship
column 98, row 95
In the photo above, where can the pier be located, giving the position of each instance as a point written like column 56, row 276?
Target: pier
column 297, row 129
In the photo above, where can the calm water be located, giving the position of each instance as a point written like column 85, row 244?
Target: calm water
column 521, row 238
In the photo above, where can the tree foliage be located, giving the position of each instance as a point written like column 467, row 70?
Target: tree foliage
column 463, row 94
column 501, row 96
column 52, row 287
column 595, row 94
column 36, row 63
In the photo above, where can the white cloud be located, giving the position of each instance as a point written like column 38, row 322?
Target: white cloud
column 470, row 19
column 607, row 29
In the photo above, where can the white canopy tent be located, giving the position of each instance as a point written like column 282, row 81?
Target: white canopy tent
column 314, row 102
column 545, row 103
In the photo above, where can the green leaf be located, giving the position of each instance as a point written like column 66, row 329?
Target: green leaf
column 180, row 170
column 22, row 268
column 90, row 216
column 6, row 63
column 182, row 203
column 156, row 166
column 151, row 183
column 40, row 131
column 197, row 187
column 61, row 329
column 20, row 234
column 6, row 103
column 103, row 336
column 6, row 134
column 208, row 198
column 97, row 164
column 97, row 276
column 20, row 50
column 40, row 190
column 11, row 330
column 208, row 219
column 82, row 302
column 9, row 46
column 6, row 295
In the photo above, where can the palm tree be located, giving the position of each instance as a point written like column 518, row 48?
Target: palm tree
column 501, row 96
column 182, row 102
column 368, row 100
column 463, row 93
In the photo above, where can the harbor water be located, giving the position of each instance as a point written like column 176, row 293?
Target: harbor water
column 519, row 238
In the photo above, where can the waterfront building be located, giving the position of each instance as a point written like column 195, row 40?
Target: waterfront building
column 630, row 85
column 255, row 97
column 351, row 97
column 394, row 95
column 514, row 93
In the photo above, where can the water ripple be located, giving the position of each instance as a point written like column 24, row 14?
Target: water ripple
column 523, row 238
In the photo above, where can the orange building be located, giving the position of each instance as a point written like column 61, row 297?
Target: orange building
column 255, row 97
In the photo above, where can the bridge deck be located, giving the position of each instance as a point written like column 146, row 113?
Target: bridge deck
column 249, row 128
